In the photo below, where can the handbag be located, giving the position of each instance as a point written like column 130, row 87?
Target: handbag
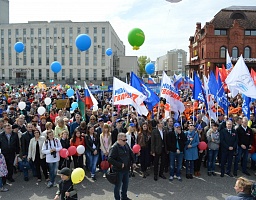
column 24, row 164
column 112, row 177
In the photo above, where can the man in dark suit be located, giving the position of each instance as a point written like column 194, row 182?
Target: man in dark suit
column 158, row 149
column 228, row 141
column 9, row 145
column 245, row 141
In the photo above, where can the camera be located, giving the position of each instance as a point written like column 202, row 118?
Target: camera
column 53, row 154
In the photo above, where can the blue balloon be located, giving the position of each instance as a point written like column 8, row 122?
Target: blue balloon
column 254, row 157
column 150, row 68
column 19, row 47
column 74, row 105
column 56, row 66
column 109, row 51
column 83, row 42
column 70, row 93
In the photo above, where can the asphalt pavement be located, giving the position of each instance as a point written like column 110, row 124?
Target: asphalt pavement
column 203, row 187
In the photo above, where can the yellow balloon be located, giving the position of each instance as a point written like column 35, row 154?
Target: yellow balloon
column 77, row 175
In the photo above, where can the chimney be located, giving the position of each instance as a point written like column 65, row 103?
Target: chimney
column 198, row 26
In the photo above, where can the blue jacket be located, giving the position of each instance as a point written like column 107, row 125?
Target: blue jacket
column 241, row 196
column 191, row 153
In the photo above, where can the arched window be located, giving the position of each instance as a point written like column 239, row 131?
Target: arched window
column 247, row 52
column 222, row 52
column 235, row 52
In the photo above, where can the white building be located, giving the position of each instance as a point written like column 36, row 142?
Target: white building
column 46, row 42
column 172, row 62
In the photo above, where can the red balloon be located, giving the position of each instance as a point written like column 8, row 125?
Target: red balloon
column 202, row 145
column 72, row 150
column 64, row 153
column 252, row 150
column 136, row 148
column 9, row 100
column 104, row 165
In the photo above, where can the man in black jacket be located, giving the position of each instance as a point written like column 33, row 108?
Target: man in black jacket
column 118, row 129
column 228, row 141
column 25, row 140
column 158, row 149
column 121, row 157
column 9, row 144
column 175, row 143
column 245, row 141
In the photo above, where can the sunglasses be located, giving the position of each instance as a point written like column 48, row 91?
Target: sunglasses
column 124, row 140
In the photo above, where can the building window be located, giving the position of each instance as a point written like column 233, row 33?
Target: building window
column 70, row 60
column 40, row 74
column 223, row 52
column 55, row 50
column 103, row 50
column 202, row 53
column 47, row 61
column 71, row 50
column 79, row 74
column 103, row 61
column 17, row 32
column 94, row 30
column 62, row 31
column 63, row 60
column 63, row 74
column 78, row 60
column 103, row 73
column 250, row 32
column 55, row 76
column 235, row 52
column 32, row 74
column 55, row 32
column 39, row 32
column 95, row 50
column 86, row 74
column 63, row 50
column 47, row 32
column 78, row 30
column 95, row 39
column 70, row 31
column 247, row 52
column 70, row 73
column 39, row 60
column 94, row 60
column 86, row 60
column 220, row 32
column 32, row 61
column 103, row 39
column 95, row 74
column 3, row 73
column 87, row 30
column 103, row 30
column 31, row 32
column 10, row 73
column 9, row 33
column 17, row 60
column 47, row 74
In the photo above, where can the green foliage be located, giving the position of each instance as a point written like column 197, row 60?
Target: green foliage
column 143, row 60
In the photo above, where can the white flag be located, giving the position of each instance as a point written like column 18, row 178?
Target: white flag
column 169, row 92
column 124, row 94
column 228, row 62
column 240, row 80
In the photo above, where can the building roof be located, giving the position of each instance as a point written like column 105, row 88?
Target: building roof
column 245, row 15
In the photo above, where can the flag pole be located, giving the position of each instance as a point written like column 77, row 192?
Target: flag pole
column 193, row 113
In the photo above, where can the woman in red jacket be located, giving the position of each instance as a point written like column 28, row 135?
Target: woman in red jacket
column 77, row 140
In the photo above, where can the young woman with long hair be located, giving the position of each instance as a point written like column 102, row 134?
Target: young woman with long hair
column 65, row 143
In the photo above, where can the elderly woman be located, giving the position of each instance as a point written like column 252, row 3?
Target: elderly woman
column 48, row 127
column 35, row 154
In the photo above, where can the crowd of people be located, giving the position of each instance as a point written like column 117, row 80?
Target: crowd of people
column 33, row 141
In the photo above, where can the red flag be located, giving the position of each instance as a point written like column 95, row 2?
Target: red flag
column 253, row 75
column 223, row 74
column 217, row 73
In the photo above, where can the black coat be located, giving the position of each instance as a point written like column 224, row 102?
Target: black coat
column 14, row 147
column 228, row 140
column 66, row 186
column 157, row 143
column 119, row 155
column 244, row 137
column 65, row 143
column 25, row 140
column 89, row 143
column 171, row 141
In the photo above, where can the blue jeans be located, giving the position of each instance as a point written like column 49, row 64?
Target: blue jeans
column 32, row 167
column 175, row 157
column 212, row 154
column 242, row 153
column 53, row 171
column 123, row 179
column 93, row 159
column 1, row 182
column 189, row 166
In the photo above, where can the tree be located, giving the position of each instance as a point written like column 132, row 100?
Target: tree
column 143, row 60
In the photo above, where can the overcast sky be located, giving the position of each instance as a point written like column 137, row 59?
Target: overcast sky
column 166, row 25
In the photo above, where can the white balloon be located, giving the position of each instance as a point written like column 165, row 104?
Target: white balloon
column 80, row 149
column 22, row 105
column 41, row 110
column 47, row 101
column 95, row 108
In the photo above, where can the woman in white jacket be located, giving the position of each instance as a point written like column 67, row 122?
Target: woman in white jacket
column 35, row 153
column 51, row 148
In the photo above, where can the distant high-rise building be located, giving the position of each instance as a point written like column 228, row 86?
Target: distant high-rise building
column 172, row 63
column 4, row 11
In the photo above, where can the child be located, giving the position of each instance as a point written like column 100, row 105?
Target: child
column 66, row 189
column 3, row 172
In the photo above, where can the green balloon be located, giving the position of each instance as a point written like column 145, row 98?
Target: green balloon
column 136, row 38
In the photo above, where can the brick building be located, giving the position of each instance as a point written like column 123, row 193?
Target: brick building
column 232, row 29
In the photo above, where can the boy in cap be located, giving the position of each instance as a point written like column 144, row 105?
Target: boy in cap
column 66, row 189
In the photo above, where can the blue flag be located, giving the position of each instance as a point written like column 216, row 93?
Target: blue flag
column 198, row 91
column 152, row 98
column 212, row 85
column 246, row 106
column 221, row 96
